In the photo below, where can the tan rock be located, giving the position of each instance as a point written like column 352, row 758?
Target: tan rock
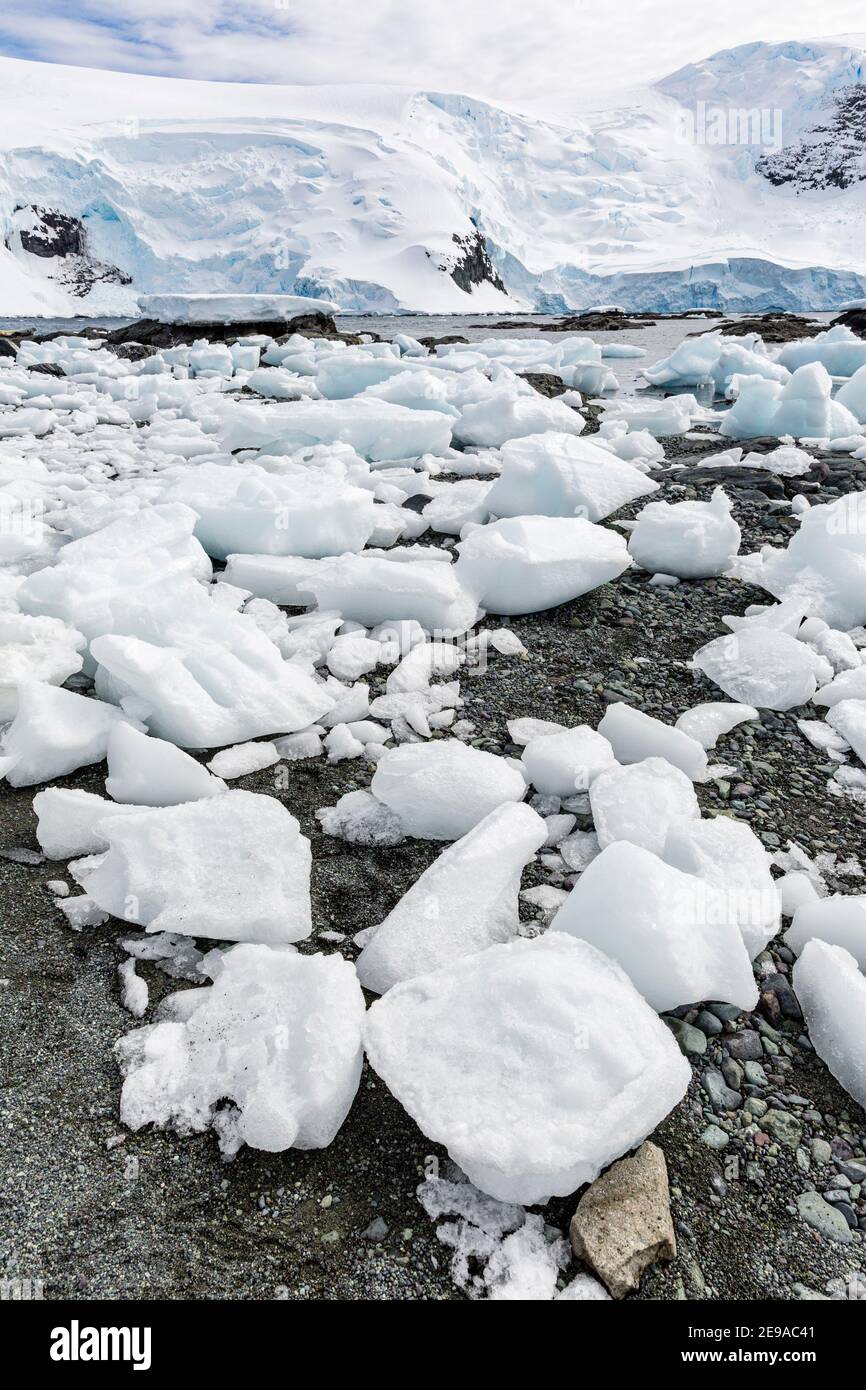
column 623, row 1221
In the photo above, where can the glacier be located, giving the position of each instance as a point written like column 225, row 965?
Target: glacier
column 385, row 198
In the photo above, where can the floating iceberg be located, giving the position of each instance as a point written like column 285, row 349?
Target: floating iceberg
column 802, row 407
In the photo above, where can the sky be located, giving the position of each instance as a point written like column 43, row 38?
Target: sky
column 507, row 50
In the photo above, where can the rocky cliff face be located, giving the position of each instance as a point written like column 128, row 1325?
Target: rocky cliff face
column 829, row 154
column 60, row 240
column 474, row 266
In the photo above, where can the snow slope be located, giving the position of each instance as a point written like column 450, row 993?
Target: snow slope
column 385, row 198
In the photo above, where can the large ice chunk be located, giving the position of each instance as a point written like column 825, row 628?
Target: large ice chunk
column 54, row 732
column 505, row 415
column 279, row 578
column 303, row 512
column 561, row 763
column 370, row 590
column 560, row 475
column 129, row 556
column 67, row 821
column 758, row 666
column 441, row 790
column 709, row 722
column 727, row 854
column 802, row 407
column 233, row 867
column 377, row 430
column 200, row 676
column 269, row 1055
column 634, row 736
column 34, row 649
column 506, row 1057
column 832, row 995
column 664, row 927
column 531, row 563
column 692, row 540
column 839, row 920
column 641, row 802
column 465, row 901
column 848, row 718
column 838, row 349
column 824, row 564
column 150, row 772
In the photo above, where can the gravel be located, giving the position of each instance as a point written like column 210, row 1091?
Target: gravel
column 763, row 1133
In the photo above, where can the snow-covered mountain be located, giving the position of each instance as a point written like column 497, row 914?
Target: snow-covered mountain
column 739, row 182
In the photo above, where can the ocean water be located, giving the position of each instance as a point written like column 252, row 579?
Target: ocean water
column 658, row 339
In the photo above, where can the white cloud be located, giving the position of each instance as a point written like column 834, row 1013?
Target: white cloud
column 539, row 51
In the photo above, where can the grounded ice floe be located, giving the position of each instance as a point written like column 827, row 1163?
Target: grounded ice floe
column 506, row 1058
column 674, row 934
column 439, row 791
column 692, row 540
column 465, row 901
column 528, row 563
column 839, row 920
column 832, row 994
column 640, row 803
column 269, row 1055
column 233, row 867
column 761, row 667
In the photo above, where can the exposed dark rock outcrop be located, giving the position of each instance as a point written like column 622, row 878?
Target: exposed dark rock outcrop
column 61, row 239
column 545, row 383
column 855, row 319
column 474, row 266
column 773, row 327
column 431, row 342
column 831, row 154
column 591, row 321
column 150, row 333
